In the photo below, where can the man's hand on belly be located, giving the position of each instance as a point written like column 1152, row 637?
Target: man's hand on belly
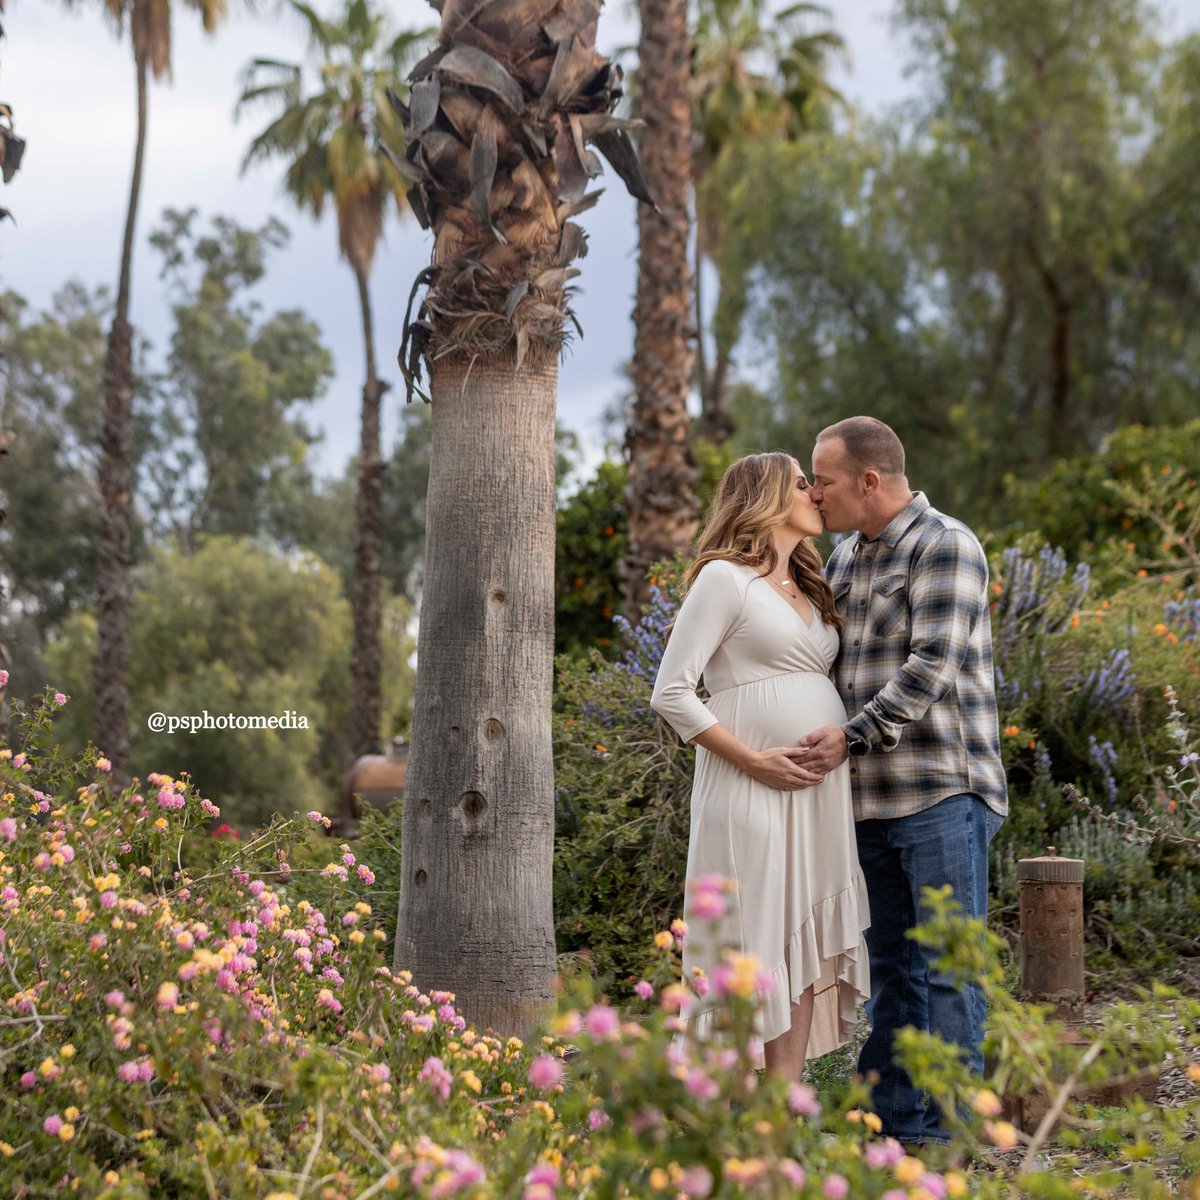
column 822, row 750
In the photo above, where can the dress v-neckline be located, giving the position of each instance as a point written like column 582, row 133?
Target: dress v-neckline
column 808, row 625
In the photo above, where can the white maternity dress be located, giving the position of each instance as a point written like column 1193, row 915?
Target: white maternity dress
column 801, row 904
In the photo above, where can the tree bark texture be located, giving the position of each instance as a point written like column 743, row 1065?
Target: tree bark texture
column 662, row 476
column 111, row 717
column 476, row 910
column 366, row 705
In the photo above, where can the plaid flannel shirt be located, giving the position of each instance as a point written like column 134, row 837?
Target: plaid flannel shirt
column 915, row 667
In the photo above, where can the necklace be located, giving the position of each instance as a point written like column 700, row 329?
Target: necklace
column 785, row 583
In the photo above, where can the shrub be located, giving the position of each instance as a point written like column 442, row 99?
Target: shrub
column 191, row 1016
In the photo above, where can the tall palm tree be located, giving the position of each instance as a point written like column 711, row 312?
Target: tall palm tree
column 336, row 141
column 149, row 23
column 498, row 127
column 754, row 77
column 662, row 502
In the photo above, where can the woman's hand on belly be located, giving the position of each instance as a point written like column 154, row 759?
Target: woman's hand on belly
column 777, row 768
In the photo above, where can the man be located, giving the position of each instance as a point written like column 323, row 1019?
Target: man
column 915, row 673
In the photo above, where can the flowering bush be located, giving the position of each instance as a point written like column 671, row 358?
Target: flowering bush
column 190, row 1016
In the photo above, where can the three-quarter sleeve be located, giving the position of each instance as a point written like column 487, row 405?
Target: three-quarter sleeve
column 709, row 613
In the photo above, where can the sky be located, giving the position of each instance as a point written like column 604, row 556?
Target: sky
column 70, row 84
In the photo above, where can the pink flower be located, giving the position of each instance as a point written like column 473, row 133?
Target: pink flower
column 102, row 764
column 802, row 1100
column 545, row 1072
column 602, row 1022
column 326, row 999
column 708, row 906
column 127, row 1072
column 698, row 1084
column 60, row 698
column 934, row 1184
column 318, row 818
column 52, row 1124
column 8, row 829
column 3, row 679
column 643, row 989
column 435, row 1074
column 108, row 899
column 793, row 1172
column 835, row 1187
column 29, row 1080
column 696, row 1181
column 168, row 995
column 541, row 1183
column 349, row 859
column 114, row 999
column 209, row 809
column 366, row 874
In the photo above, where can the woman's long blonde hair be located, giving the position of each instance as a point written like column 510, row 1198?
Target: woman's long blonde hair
column 754, row 498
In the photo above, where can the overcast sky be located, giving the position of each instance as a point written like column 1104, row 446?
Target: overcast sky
column 71, row 86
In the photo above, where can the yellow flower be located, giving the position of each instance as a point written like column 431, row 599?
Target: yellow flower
column 956, row 1185
column 68, row 1051
column 1193, row 1073
column 160, row 824
column 908, row 1170
column 1012, row 730
column 282, row 1196
column 872, row 1122
column 1002, row 1134
column 111, row 1178
column 663, row 939
column 743, row 975
column 6, row 1150
column 659, row 1179
column 67, row 1132
column 986, row 1103
column 472, row 1081
column 47, row 1067
column 357, row 936
column 72, row 1113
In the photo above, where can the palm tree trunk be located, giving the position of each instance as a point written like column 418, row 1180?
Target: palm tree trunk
column 476, row 911
column 662, row 475
column 111, row 717
column 366, row 704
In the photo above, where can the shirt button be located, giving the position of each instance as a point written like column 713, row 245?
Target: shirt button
column 861, row 603
column 853, row 770
column 856, row 641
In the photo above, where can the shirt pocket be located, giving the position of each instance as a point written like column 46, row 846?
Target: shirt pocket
column 889, row 607
column 841, row 597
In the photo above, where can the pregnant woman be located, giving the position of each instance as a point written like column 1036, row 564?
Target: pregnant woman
column 758, row 623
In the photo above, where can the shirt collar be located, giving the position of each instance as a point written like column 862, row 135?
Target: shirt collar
column 898, row 525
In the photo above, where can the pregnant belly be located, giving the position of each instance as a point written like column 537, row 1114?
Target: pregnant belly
column 779, row 710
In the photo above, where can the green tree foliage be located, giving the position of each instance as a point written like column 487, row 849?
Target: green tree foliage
column 1000, row 269
column 592, row 534
column 1116, row 509
column 235, row 389
column 51, row 399
column 236, row 627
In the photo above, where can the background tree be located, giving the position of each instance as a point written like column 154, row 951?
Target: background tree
column 755, row 76
column 238, row 447
column 237, row 627
column 501, row 114
column 52, row 400
column 337, row 141
column 149, row 24
column 998, row 270
column 661, row 474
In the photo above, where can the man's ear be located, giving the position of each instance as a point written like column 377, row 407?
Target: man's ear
column 870, row 482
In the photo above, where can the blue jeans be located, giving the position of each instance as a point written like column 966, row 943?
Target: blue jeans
column 947, row 843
